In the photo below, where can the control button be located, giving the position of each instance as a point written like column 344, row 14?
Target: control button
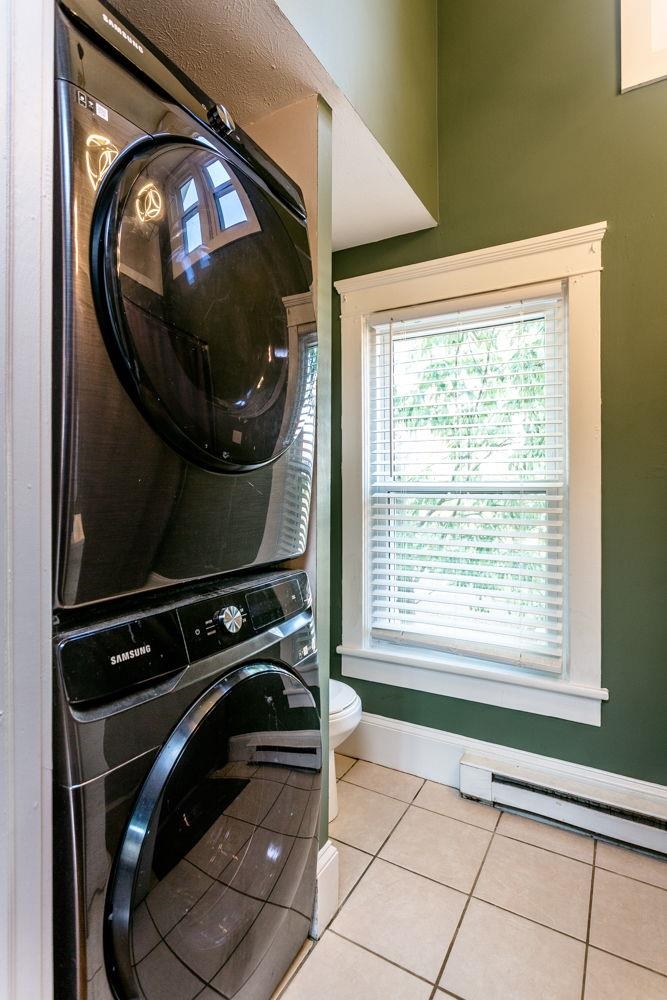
column 232, row 618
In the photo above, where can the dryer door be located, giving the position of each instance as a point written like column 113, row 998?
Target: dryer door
column 214, row 884
column 202, row 285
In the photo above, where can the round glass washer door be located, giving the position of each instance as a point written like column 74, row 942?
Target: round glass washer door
column 214, row 882
column 202, row 283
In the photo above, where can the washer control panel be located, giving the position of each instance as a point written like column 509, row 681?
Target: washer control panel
column 224, row 620
column 231, row 618
column 103, row 662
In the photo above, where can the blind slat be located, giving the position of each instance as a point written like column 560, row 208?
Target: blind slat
column 441, row 581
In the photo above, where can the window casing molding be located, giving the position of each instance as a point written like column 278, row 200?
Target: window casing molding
column 574, row 258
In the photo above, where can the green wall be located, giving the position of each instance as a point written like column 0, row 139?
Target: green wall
column 383, row 56
column 534, row 137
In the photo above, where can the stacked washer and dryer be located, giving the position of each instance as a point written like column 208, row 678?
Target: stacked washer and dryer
column 187, row 749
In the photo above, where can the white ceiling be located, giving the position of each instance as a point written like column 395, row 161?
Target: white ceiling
column 247, row 54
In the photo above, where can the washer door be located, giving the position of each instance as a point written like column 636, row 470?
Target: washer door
column 214, row 883
column 202, row 287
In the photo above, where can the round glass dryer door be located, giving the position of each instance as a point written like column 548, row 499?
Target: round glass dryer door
column 214, row 883
column 202, row 284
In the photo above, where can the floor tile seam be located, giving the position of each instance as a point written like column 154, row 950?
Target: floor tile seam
column 539, row 847
column 337, row 840
column 538, row 923
column 387, row 795
column 354, row 761
column 588, row 926
column 343, row 901
column 631, row 878
column 365, row 850
column 411, row 871
column 382, row 795
column 376, row 954
column 395, row 770
column 464, row 822
column 636, row 850
column 455, row 935
column 630, row 961
column 382, row 845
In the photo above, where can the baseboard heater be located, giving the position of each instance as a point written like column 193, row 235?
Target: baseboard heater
column 608, row 811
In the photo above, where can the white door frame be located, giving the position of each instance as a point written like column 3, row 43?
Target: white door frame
column 26, row 156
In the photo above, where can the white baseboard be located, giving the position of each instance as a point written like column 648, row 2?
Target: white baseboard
column 326, row 902
column 431, row 753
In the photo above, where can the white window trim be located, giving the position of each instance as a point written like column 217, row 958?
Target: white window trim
column 572, row 256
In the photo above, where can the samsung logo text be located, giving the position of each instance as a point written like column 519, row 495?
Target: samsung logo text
column 130, row 654
column 121, row 31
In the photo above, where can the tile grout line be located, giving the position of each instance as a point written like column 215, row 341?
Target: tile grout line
column 632, row 878
column 510, row 812
column 494, row 832
column 461, row 892
column 467, row 822
column 550, row 850
column 588, row 925
column 494, row 906
column 373, row 857
column 383, row 958
column 629, row 961
column 455, row 935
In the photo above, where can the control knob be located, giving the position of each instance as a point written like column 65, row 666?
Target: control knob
column 231, row 618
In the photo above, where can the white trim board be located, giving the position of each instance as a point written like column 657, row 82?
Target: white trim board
column 26, row 163
column 437, row 755
column 572, row 258
column 549, row 257
column 326, row 902
column 539, row 695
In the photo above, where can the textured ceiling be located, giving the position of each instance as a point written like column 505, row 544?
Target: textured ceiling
column 244, row 53
column 247, row 54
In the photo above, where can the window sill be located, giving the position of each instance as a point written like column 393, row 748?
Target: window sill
column 449, row 676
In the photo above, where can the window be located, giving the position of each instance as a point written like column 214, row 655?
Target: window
column 191, row 219
column 471, row 488
column 466, row 481
column 211, row 210
column 227, row 201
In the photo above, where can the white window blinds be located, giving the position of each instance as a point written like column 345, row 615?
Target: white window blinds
column 466, row 465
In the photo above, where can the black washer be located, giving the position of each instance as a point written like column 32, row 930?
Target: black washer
column 187, row 798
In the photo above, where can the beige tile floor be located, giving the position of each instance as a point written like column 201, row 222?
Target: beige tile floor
column 441, row 897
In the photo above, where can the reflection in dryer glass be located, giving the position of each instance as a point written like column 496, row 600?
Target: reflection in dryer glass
column 208, row 281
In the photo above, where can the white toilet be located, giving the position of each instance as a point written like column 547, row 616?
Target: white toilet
column 344, row 716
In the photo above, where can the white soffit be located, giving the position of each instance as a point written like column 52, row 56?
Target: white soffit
column 248, row 55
